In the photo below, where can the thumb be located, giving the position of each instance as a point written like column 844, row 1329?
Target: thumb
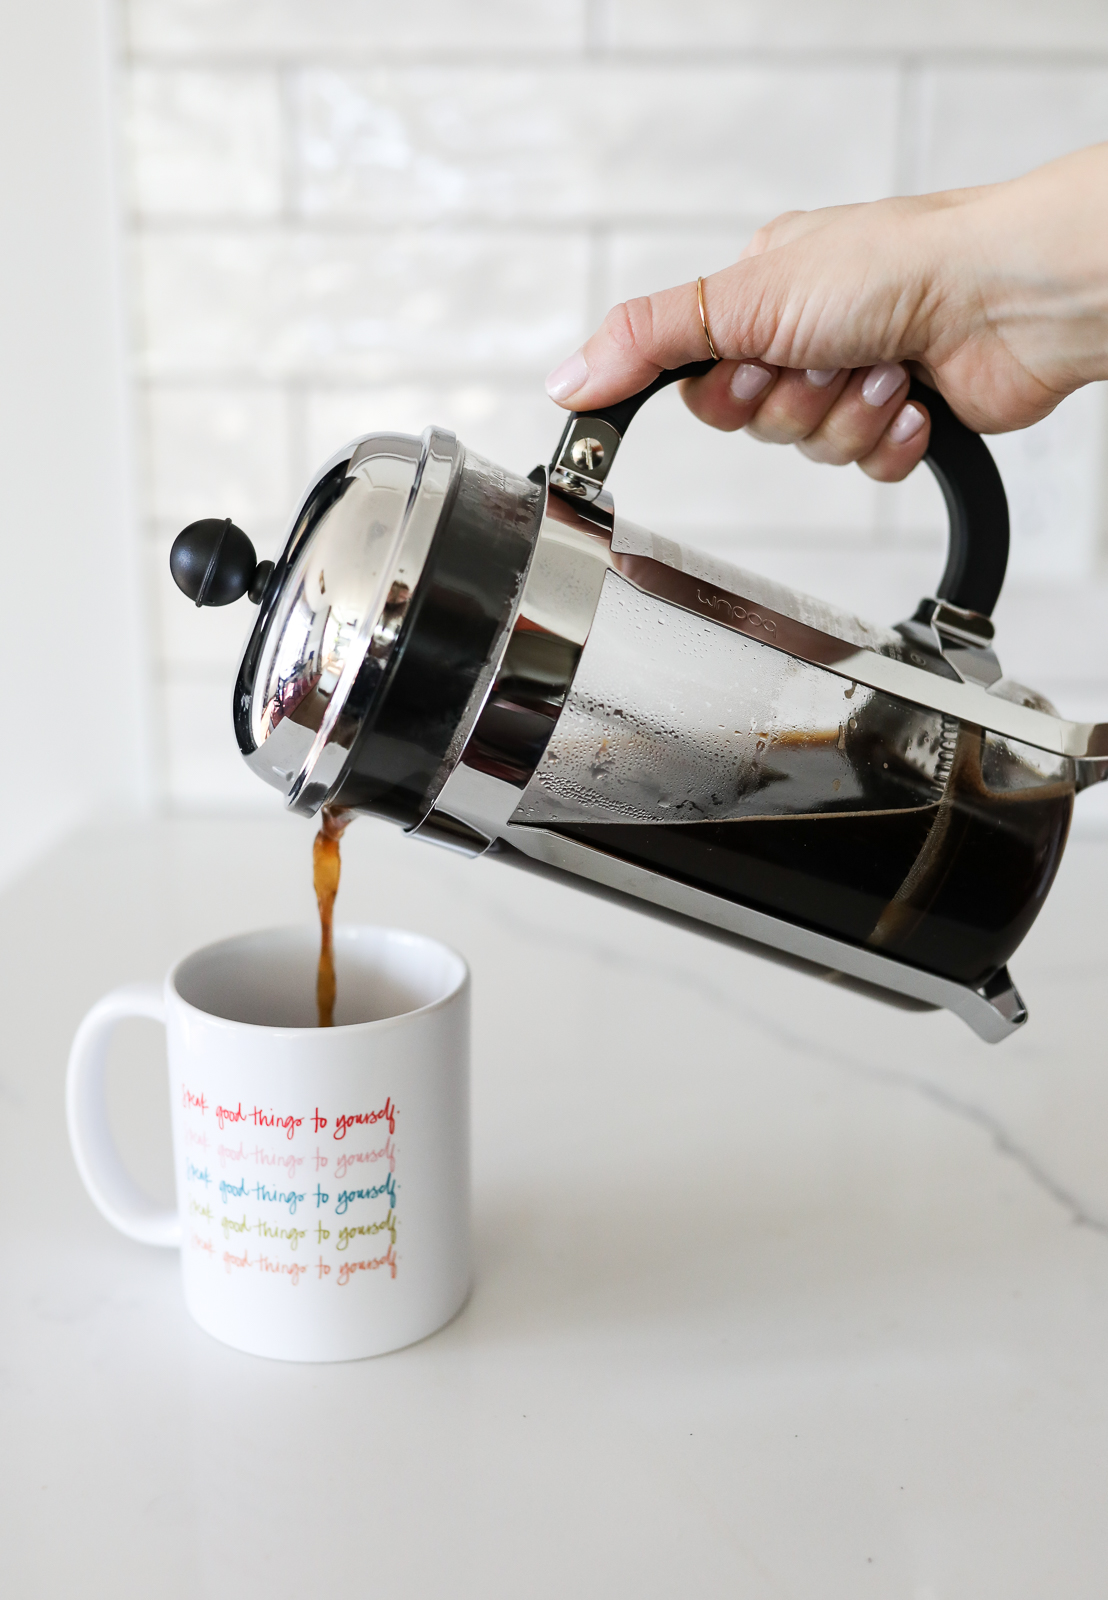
column 636, row 341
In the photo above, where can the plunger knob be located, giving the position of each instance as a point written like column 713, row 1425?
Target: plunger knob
column 214, row 563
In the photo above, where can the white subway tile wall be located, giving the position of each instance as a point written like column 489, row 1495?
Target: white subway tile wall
column 354, row 215
column 858, row 27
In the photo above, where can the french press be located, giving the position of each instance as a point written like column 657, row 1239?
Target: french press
column 505, row 666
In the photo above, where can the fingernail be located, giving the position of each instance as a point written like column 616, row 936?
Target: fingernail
column 905, row 425
column 818, row 378
column 882, row 382
column 749, row 380
column 567, row 378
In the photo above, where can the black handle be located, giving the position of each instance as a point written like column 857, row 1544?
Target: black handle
column 977, row 555
column 620, row 414
column 959, row 458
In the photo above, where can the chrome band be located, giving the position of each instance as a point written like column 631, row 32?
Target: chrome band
column 343, row 541
column 355, row 565
column 1081, row 741
column 535, row 670
column 440, row 459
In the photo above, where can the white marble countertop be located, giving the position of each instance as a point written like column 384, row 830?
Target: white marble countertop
column 779, row 1293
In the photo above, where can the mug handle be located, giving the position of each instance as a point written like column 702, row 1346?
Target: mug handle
column 113, row 1191
column 977, row 553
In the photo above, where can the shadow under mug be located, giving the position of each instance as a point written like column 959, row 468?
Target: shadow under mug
column 322, row 1173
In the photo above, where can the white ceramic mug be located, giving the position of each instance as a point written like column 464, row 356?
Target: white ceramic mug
column 322, row 1173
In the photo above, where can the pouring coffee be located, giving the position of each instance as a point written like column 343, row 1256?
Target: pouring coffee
column 505, row 666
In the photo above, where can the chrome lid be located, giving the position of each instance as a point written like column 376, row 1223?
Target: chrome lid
column 337, row 603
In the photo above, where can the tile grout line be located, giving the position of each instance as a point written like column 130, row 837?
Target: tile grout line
column 288, row 158
column 615, row 57
column 910, row 139
column 368, row 226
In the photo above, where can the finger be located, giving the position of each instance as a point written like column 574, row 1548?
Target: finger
column 851, row 429
column 901, row 447
column 729, row 395
column 777, row 407
column 797, row 405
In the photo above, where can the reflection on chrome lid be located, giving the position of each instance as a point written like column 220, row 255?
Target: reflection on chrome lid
column 342, row 605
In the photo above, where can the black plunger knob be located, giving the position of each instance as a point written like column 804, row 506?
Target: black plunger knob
column 213, row 562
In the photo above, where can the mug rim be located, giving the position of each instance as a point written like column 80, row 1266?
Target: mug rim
column 337, row 1029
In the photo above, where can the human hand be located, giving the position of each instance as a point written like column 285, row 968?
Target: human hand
column 998, row 296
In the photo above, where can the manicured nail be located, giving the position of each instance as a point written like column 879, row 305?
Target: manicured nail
column 882, row 382
column 905, row 425
column 749, row 380
column 567, row 378
column 818, row 378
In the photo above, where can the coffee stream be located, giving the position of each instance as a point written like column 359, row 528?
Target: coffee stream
column 326, row 866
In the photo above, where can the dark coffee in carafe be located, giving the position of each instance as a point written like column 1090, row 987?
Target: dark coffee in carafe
column 952, row 886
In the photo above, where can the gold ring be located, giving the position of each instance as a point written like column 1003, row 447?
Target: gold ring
column 704, row 319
